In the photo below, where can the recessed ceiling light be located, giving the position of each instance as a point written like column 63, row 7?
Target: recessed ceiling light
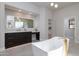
column 51, row 4
column 19, row 10
column 56, row 5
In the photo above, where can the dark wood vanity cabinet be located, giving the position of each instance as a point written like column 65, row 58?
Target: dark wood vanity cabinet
column 18, row 38
column 37, row 35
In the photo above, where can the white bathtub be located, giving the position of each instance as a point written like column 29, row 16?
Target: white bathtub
column 51, row 47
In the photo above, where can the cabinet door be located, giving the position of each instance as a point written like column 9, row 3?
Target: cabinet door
column 18, row 38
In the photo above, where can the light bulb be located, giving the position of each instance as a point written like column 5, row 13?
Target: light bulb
column 56, row 5
column 51, row 4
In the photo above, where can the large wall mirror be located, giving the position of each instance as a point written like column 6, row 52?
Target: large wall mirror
column 18, row 22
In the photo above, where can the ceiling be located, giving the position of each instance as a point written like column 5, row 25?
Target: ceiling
column 8, row 7
column 61, row 4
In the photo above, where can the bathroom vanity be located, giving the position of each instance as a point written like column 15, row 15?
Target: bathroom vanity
column 18, row 38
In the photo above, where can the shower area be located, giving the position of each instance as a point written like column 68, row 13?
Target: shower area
column 71, row 29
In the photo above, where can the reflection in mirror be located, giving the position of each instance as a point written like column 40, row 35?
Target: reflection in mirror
column 18, row 22
column 10, row 22
column 72, row 23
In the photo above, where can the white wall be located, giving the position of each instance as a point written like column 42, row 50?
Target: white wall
column 42, row 23
column 45, row 14
column 2, row 26
column 63, row 14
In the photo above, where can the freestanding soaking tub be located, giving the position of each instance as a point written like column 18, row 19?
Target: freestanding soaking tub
column 51, row 47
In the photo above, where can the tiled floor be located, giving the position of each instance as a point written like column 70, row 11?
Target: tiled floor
column 26, row 50
column 73, row 49
column 22, row 50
